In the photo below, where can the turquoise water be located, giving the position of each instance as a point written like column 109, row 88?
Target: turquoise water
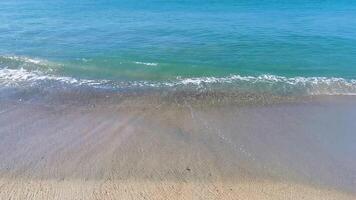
column 311, row 44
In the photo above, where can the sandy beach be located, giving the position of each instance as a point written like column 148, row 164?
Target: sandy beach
column 152, row 150
column 177, row 100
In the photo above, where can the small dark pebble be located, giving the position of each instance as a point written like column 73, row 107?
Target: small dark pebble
column 188, row 169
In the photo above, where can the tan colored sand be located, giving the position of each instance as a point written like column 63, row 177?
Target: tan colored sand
column 72, row 189
column 169, row 152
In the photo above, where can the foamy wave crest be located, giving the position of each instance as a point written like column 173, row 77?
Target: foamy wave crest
column 146, row 63
column 307, row 85
column 264, row 83
column 17, row 62
column 23, row 77
column 13, row 77
column 23, row 59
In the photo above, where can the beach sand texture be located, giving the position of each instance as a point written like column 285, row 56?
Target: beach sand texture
column 298, row 150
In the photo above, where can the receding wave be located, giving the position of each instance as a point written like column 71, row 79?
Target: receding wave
column 264, row 83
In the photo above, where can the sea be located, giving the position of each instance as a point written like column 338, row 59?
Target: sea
column 280, row 47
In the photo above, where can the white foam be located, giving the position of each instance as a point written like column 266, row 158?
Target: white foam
column 146, row 63
column 266, row 83
column 24, row 59
column 312, row 85
column 20, row 76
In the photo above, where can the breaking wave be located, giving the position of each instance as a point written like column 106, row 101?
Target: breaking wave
column 146, row 63
column 263, row 83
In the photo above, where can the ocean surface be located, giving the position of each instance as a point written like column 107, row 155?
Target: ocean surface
column 285, row 47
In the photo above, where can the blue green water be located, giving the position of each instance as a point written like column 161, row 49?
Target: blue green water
column 188, row 40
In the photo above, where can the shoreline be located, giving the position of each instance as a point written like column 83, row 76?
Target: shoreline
column 285, row 149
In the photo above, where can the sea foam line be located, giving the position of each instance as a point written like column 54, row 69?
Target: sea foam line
column 24, row 59
column 270, row 83
column 146, row 63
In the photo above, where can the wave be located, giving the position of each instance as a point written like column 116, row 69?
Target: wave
column 23, row 59
column 146, row 63
column 28, row 63
column 264, row 83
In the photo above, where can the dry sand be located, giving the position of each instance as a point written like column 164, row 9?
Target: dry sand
column 301, row 150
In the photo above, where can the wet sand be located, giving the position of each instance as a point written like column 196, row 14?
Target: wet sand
column 150, row 150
